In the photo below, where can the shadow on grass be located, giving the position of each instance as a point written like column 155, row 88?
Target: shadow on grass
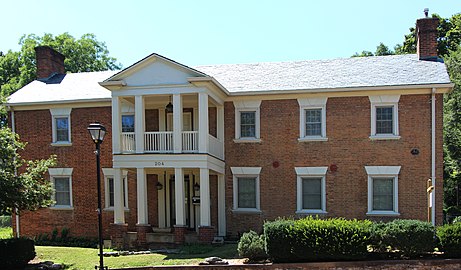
column 200, row 251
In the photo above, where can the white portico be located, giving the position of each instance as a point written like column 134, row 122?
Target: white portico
column 182, row 145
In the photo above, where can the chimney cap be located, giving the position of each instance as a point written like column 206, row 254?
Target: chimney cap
column 426, row 12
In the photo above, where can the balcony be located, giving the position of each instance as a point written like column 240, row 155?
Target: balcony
column 162, row 142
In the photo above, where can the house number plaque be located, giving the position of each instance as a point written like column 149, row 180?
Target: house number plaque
column 159, row 163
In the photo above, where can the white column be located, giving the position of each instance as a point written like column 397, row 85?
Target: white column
column 221, row 205
column 141, row 195
column 179, row 196
column 177, row 123
column 203, row 123
column 139, row 123
column 119, row 212
column 161, row 202
column 205, row 215
column 116, row 123
column 220, row 127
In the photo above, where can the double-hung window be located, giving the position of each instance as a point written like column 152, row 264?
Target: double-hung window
column 61, row 127
column 384, row 117
column 246, row 189
column 247, row 121
column 128, row 123
column 382, row 190
column 61, row 179
column 110, row 188
column 312, row 124
column 311, row 190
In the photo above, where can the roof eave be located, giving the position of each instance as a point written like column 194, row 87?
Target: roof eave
column 54, row 102
column 208, row 79
column 441, row 88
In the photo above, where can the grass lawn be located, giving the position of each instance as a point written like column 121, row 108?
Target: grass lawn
column 87, row 258
column 6, row 232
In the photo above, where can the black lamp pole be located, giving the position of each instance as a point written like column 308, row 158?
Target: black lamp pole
column 97, row 132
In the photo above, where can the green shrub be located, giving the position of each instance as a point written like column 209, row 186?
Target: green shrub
column 65, row 240
column 457, row 219
column 252, row 246
column 15, row 253
column 449, row 237
column 279, row 239
column 5, row 221
column 312, row 239
column 409, row 237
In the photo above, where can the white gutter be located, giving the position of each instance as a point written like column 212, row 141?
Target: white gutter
column 433, row 155
column 13, row 129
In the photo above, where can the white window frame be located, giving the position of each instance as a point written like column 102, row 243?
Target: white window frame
column 247, row 106
column 383, row 172
column 385, row 101
column 249, row 172
column 110, row 173
column 60, row 113
column 310, row 172
column 61, row 173
column 312, row 103
column 121, row 124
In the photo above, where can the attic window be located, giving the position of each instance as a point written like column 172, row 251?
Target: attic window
column 61, row 127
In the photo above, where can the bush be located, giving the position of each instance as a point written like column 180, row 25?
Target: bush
column 15, row 253
column 252, row 246
column 5, row 221
column 449, row 237
column 410, row 237
column 312, row 239
column 65, row 240
column 457, row 220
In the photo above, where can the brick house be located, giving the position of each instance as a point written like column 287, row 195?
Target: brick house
column 194, row 153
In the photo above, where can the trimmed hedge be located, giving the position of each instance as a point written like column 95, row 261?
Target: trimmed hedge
column 449, row 237
column 409, row 237
column 312, row 239
column 15, row 253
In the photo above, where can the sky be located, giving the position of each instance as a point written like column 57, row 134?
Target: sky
column 197, row 32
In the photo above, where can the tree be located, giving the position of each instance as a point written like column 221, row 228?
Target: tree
column 28, row 190
column 452, row 132
column 82, row 55
column 381, row 49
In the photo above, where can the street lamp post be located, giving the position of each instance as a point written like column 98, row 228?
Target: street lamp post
column 97, row 132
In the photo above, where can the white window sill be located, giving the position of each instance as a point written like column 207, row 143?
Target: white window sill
column 384, row 137
column 247, row 140
column 383, row 213
column 247, row 211
column 61, row 207
column 311, row 212
column 313, row 139
column 111, row 209
column 61, row 144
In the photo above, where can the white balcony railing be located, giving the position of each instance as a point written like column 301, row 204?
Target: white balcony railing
column 158, row 142
column 189, row 141
column 128, row 142
column 216, row 147
column 162, row 142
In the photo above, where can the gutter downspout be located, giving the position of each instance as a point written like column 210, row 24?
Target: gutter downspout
column 13, row 129
column 433, row 152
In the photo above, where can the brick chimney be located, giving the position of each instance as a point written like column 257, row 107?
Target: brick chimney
column 49, row 61
column 426, row 37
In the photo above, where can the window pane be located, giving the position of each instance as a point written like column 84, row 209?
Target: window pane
column 247, row 124
column 127, row 123
column 62, row 191
column 385, row 120
column 247, row 192
column 314, row 122
column 110, row 184
column 383, row 194
column 62, row 129
column 312, row 193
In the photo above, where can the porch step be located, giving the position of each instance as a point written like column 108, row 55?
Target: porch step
column 160, row 237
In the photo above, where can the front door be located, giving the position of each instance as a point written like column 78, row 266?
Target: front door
column 187, row 200
column 186, row 121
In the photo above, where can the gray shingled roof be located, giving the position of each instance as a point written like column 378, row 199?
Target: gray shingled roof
column 236, row 78
column 328, row 74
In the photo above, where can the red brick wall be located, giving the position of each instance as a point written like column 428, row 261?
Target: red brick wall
column 82, row 220
column 348, row 147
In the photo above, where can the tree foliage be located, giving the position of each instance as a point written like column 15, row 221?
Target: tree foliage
column 82, row 55
column 22, row 183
